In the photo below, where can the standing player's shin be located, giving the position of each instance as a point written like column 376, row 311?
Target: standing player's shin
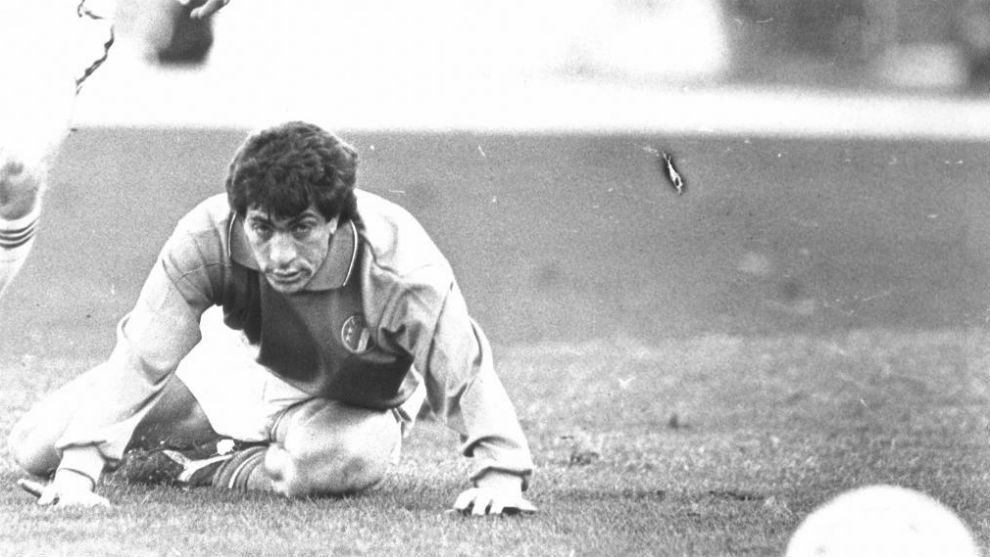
column 21, row 185
column 16, row 240
column 47, row 48
column 34, row 121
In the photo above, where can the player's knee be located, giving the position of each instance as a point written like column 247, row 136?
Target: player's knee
column 324, row 473
column 32, row 439
column 20, row 186
column 30, row 451
column 336, row 452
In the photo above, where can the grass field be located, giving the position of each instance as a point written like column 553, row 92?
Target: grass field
column 716, row 445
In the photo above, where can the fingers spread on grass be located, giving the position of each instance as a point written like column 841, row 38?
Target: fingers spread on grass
column 87, row 500
column 48, row 497
column 480, row 502
column 514, row 506
column 51, row 496
column 31, row 486
column 520, row 506
column 464, row 500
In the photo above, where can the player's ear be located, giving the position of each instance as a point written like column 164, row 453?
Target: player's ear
column 332, row 223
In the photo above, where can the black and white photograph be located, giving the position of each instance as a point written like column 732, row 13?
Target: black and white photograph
column 521, row 278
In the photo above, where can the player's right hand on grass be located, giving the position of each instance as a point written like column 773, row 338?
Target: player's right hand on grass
column 495, row 493
column 67, row 489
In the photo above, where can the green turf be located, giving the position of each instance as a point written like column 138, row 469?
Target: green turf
column 717, row 445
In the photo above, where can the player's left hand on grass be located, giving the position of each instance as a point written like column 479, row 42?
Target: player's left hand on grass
column 496, row 493
column 67, row 489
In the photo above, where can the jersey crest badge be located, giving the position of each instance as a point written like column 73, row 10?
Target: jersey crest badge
column 354, row 334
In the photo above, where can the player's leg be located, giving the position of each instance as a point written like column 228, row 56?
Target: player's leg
column 20, row 208
column 40, row 78
column 324, row 447
column 176, row 421
column 302, row 445
column 321, row 447
column 35, row 121
column 32, row 439
column 311, row 446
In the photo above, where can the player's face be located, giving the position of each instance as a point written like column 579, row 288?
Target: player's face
column 289, row 250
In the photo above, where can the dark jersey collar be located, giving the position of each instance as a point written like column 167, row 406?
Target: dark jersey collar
column 336, row 268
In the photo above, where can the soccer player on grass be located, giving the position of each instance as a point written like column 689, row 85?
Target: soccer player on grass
column 349, row 312
column 48, row 48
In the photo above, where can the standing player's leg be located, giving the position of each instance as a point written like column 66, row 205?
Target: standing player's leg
column 46, row 52
column 20, row 207
column 27, row 150
column 48, row 48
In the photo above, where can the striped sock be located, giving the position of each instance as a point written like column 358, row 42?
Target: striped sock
column 16, row 239
column 236, row 472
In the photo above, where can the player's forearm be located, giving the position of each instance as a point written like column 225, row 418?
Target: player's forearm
column 103, row 423
column 151, row 341
column 475, row 403
column 499, row 447
column 494, row 437
column 464, row 391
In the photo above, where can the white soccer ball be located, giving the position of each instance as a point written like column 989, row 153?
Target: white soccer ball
column 881, row 521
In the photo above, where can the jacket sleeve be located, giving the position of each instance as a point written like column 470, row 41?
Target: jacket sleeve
column 455, row 359
column 151, row 341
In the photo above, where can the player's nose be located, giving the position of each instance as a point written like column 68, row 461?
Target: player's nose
column 282, row 250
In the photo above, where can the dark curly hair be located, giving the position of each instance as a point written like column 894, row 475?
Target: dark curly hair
column 286, row 167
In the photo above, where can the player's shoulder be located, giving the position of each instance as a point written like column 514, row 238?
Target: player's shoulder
column 387, row 223
column 396, row 240
column 211, row 213
column 205, row 227
column 378, row 209
column 200, row 241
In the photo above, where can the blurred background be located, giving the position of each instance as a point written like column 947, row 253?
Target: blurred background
column 447, row 64
column 835, row 153
column 264, row 58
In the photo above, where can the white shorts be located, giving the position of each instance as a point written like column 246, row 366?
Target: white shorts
column 242, row 399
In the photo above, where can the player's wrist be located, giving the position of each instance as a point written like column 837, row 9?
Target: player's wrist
column 82, row 461
column 70, row 478
column 499, row 481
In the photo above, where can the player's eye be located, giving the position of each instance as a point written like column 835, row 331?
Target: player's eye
column 302, row 228
column 261, row 230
